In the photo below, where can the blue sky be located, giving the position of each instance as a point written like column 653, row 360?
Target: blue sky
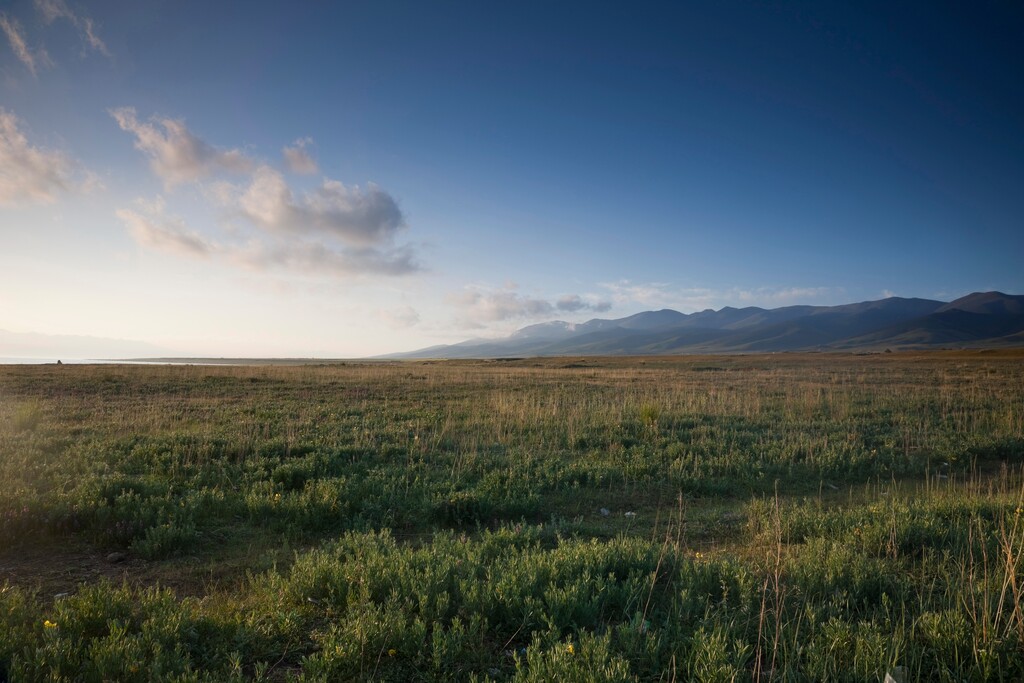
column 343, row 179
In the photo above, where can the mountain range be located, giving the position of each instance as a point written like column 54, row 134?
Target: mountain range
column 979, row 320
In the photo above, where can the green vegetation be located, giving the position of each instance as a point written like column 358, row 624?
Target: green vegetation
column 783, row 518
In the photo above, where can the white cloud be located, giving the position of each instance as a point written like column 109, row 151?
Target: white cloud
column 478, row 307
column 58, row 9
column 357, row 216
column 315, row 257
column 331, row 229
column 571, row 303
column 32, row 59
column 175, row 154
column 52, row 9
column 31, row 174
column 298, row 159
column 151, row 227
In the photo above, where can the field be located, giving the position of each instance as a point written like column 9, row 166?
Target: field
column 798, row 517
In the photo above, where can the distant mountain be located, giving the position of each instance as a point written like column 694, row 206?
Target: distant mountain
column 984, row 319
column 35, row 345
column 990, row 303
column 552, row 330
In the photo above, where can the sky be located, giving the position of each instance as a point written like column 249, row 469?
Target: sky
column 347, row 179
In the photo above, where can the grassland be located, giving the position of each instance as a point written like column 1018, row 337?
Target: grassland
column 784, row 518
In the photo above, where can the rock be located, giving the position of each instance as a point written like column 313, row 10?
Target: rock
column 605, row 512
column 115, row 558
column 897, row 675
column 630, row 514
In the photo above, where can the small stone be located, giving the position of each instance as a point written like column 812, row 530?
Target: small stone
column 605, row 512
column 115, row 558
column 630, row 514
column 897, row 675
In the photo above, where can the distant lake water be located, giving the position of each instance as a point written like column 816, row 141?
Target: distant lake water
column 95, row 361
column 182, row 361
column 47, row 361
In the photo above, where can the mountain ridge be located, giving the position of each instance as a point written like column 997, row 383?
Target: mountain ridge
column 977, row 320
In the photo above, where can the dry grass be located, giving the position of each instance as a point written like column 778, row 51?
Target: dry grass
column 849, row 506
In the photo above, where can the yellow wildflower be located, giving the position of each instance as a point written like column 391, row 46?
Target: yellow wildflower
column 49, row 624
column 392, row 652
column 570, row 649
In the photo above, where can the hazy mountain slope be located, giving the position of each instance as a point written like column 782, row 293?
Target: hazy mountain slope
column 826, row 326
column 652, row 320
column 632, row 342
column 951, row 326
column 989, row 303
column 894, row 307
column 556, row 329
column 984, row 319
column 739, row 318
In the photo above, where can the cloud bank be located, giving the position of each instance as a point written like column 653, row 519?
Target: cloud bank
column 330, row 228
column 31, row 174
column 306, row 257
column 175, row 154
column 151, row 227
column 477, row 308
column 571, row 303
column 358, row 216
column 298, row 160
column 688, row 299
